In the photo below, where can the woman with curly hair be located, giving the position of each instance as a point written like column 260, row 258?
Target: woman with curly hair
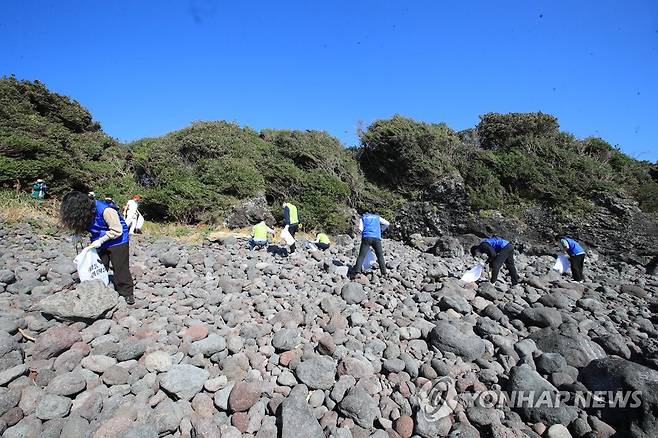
column 109, row 234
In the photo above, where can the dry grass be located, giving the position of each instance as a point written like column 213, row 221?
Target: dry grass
column 22, row 208
column 15, row 208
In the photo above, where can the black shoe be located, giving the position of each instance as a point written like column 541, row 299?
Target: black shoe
column 130, row 299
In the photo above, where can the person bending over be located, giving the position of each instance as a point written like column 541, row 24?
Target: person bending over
column 576, row 255
column 498, row 252
column 109, row 234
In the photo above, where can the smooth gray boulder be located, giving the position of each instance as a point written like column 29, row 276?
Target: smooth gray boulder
column 577, row 349
column 89, row 300
column 297, row 417
column 448, row 337
column 540, row 400
column 184, row 381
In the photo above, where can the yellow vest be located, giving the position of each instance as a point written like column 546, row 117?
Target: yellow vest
column 323, row 238
column 292, row 212
column 260, row 231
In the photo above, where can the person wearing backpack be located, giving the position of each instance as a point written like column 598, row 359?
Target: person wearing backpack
column 576, row 255
column 291, row 219
column 371, row 226
column 109, row 235
column 498, row 252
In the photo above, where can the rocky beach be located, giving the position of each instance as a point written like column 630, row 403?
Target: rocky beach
column 227, row 342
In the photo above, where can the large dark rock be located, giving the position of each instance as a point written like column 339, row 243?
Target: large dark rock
column 577, row 349
column 617, row 374
column 89, row 300
column 447, row 246
column 360, row 407
column 535, row 389
column 447, row 337
column 438, row 213
column 249, row 213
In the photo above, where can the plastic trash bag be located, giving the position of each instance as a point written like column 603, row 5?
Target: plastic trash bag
column 140, row 222
column 370, row 261
column 287, row 237
column 562, row 264
column 473, row 274
column 90, row 267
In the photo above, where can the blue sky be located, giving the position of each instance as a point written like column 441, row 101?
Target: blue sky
column 144, row 68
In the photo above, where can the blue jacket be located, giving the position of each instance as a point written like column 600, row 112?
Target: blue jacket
column 98, row 228
column 371, row 226
column 497, row 243
column 574, row 248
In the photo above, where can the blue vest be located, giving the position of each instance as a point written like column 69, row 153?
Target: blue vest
column 497, row 243
column 99, row 228
column 574, row 248
column 371, row 226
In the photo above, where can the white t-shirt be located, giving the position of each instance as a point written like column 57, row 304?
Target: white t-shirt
column 131, row 210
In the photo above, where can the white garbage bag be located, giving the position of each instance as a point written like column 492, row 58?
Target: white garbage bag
column 370, row 261
column 473, row 274
column 287, row 237
column 90, row 267
column 140, row 222
column 562, row 264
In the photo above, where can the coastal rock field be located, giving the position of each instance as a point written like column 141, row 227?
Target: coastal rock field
column 224, row 342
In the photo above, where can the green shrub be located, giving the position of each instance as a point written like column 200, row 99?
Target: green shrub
column 495, row 130
column 509, row 162
column 406, row 155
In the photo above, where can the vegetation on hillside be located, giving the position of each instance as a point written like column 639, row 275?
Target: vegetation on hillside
column 196, row 174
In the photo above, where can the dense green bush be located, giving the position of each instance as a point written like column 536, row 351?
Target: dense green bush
column 45, row 135
column 406, row 155
column 508, row 162
column 497, row 130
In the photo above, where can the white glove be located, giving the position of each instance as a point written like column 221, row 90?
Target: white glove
column 95, row 244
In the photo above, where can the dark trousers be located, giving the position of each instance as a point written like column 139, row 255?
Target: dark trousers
column 119, row 257
column 366, row 244
column 292, row 229
column 577, row 263
column 322, row 246
column 504, row 257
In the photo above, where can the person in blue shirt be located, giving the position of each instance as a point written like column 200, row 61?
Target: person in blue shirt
column 109, row 235
column 576, row 255
column 498, row 252
column 371, row 227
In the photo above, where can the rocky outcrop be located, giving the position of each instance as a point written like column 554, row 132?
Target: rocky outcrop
column 439, row 212
column 635, row 385
column 248, row 213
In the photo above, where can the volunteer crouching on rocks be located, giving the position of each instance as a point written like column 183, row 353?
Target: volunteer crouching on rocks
column 109, row 234
column 576, row 256
column 322, row 241
column 371, row 227
column 259, row 235
column 498, row 252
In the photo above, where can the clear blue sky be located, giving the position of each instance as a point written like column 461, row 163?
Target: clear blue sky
column 145, row 68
